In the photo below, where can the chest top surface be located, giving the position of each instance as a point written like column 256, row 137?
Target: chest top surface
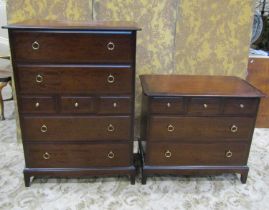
column 74, row 25
column 198, row 85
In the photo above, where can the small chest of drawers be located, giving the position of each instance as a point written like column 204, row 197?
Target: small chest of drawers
column 196, row 124
column 75, row 91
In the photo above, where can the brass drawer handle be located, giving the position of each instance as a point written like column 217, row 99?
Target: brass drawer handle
column 37, row 104
column 110, row 78
column 115, row 104
column 234, row 128
column 229, row 154
column 111, row 155
column 170, row 128
column 168, row 105
column 110, row 46
column 167, row 154
column 46, row 156
column 110, row 128
column 39, row 78
column 35, row 45
column 76, row 105
column 242, row 106
column 44, row 129
column 205, row 106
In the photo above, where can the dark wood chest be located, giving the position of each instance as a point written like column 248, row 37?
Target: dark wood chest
column 75, row 91
column 196, row 124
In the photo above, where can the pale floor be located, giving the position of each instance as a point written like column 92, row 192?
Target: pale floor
column 215, row 192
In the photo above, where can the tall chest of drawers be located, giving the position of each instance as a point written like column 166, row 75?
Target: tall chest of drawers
column 196, row 124
column 75, row 93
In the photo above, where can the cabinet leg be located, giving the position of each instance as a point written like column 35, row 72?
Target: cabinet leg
column 2, row 85
column 144, row 179
column 244, row 176
column 132, row 179
column 27, row 179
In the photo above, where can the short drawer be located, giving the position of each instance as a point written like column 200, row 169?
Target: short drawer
column 37, row 104
column 77, row 104
column 49, row 155
column 200, row 128
column 75, row 80
column 196, row 154
column 115, row 105
column 38, row 47
column 166, row 105
column 240, row 106
column 68, row 128
column 204, row 106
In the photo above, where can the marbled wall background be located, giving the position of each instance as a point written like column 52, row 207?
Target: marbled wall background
column 213, row 37
column 179, row 36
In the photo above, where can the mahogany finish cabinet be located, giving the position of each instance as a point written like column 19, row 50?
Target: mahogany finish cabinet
column 196, row 124
column 75, row 91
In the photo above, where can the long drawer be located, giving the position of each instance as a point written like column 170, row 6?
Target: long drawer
column 38, row 47
column 51, row 155
column 75, row 79
column 71, row 128
column 200, row 128
column 196, row 154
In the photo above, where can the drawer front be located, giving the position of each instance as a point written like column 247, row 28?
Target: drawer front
column 204, row 106
column 197, row 154
column 71, row 80
column 76, row 128
column 51, row 155
column 78, row 104
column 37, row 104
column 240, row 106
column 38, row 47
column 167, row 105
column 115, row 105
column 200, row 128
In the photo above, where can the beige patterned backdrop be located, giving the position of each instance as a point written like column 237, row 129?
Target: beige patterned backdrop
column 178, row 36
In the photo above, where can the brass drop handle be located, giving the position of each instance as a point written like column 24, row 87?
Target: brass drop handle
column 110, row 78
column 37, row 104
column 229, row 154
column 242, row 106
column 39, row 78
column 168, row 105
column 170, row 128
column 46, row 156
column 234, row 128
column 76, row 104
column 167, row 154
column 35, row 45
column 44, row 129
column 110, row 128
column 205, row 106
column 110, row 46
column 115, row 104
column 111, row 155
